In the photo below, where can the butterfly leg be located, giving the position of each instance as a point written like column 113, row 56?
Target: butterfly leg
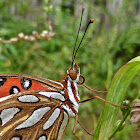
column 84, row 128
column 74, row 128
column 97, row 91
column 97, row 97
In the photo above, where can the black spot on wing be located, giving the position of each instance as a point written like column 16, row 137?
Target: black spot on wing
column 2, row 81
column 26, row 83
column 14, row 89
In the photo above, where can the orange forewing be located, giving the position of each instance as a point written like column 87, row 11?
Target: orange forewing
column 37, row 83
column 4, row 90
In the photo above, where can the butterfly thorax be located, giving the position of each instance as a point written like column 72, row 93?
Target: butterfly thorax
column 72, row 97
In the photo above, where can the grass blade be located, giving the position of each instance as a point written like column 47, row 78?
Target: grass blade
column 116, row 94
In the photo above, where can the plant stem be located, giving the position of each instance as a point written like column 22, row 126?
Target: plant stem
column 117, row 129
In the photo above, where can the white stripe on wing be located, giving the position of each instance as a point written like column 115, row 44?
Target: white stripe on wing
column 34, row 118
column 28, row 99
column 63, row 126
column 54, row 95
column 52, row 119
column 7, row 114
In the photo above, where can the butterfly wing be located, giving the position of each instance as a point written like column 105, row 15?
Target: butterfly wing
column 14, row 83
column 33, row 115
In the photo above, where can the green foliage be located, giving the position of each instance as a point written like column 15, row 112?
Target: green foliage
column 116, row 94
column 108, row 45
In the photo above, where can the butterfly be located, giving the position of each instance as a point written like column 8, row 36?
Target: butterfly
column 37, row 108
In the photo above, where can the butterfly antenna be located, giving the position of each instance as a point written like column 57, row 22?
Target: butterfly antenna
column 91, row 21
column 77, row 37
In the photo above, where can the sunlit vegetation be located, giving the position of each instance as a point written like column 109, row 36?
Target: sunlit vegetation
column 111, row 41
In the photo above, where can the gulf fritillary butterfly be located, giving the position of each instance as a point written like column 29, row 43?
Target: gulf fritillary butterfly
column 34, row 108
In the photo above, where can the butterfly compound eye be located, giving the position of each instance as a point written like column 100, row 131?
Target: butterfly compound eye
column 73, row 74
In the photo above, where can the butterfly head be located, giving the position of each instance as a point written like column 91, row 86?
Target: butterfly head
column 74, row 73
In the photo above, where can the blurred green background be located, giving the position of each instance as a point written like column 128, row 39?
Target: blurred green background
column 111, row 41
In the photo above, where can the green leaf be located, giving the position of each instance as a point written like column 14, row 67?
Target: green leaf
column 116, row 94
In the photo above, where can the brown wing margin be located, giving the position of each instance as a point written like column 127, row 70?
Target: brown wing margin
column 9, row 131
